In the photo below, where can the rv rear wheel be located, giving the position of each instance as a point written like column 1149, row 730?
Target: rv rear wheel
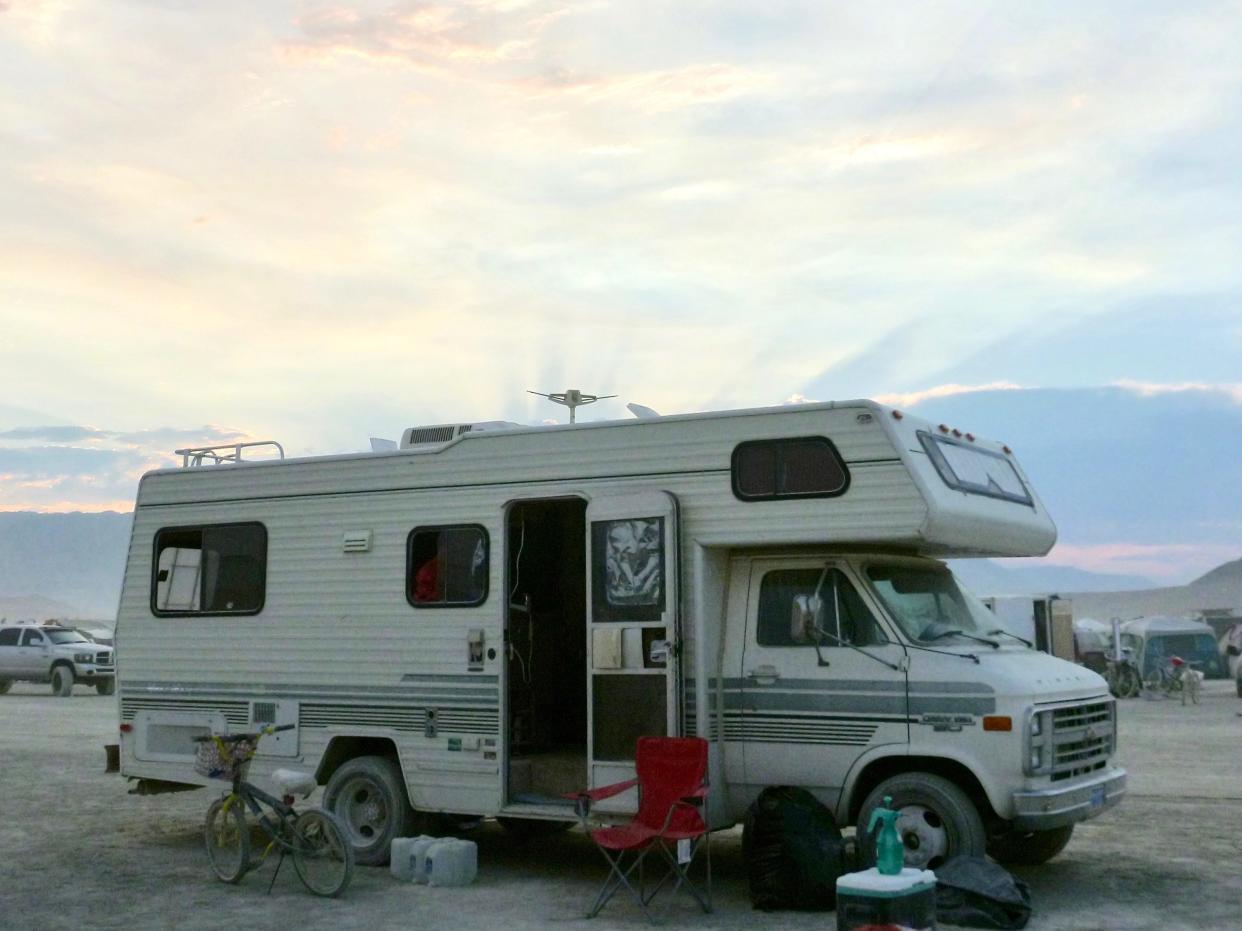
column 62, row 681
column 937, row 820
column 368, row 795
column 1029, row 848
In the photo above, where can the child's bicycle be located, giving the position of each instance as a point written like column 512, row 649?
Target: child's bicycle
column 321, row 853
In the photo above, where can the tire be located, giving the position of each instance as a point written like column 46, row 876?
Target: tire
column 227, row 838
column 322, row 854
column 937, row 820
column 6, row 684
column 62, row 681
column 368, row 796
column 1238, row 683
column 1128, row 683
column 1029, row 848
column 106, row 686
column 524, row 830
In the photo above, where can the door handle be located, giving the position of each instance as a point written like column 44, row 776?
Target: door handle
column 763, row 675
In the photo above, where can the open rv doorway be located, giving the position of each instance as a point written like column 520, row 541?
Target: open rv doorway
column 546, row 650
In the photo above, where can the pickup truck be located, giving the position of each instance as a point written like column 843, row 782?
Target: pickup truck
column 58, row 655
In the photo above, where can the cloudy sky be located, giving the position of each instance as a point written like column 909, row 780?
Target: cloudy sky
column 322, row 221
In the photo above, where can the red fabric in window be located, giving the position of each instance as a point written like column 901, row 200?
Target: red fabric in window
column 427, row 581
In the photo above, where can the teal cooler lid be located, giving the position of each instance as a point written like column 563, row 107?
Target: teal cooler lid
column 876, row 885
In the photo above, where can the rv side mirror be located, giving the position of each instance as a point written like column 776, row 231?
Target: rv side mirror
column 806, row 618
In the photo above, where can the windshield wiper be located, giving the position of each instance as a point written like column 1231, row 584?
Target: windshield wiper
column 1001, row 630
column 961, row 633
column 820, row 632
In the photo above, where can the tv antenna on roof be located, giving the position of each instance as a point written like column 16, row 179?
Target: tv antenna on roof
column 572, row 398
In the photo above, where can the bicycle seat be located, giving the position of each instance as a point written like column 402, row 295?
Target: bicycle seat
column 292, row 782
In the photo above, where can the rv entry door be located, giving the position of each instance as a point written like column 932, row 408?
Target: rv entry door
column 631, row 632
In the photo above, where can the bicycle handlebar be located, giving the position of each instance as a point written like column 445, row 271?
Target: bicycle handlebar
column 236, row 738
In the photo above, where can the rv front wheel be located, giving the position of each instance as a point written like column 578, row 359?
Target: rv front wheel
column 6, row 684
column 938, row 821
column 368, row 795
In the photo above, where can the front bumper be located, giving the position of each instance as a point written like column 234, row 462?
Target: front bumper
column 1045, row 809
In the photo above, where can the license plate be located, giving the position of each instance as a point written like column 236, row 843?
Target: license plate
column 1097, row 798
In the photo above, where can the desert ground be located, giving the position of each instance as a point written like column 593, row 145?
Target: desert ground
column 77, row 851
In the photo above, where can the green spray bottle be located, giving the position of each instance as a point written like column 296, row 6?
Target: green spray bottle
column 890, row 853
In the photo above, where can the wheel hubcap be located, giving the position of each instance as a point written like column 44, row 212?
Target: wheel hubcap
column 924, row 836
column 364, row 811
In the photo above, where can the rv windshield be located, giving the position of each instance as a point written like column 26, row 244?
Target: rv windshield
column 928, row 603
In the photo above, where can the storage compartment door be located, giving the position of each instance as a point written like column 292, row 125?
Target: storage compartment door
column 632, row 632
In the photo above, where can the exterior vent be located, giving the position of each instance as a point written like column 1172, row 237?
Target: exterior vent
column 356, row 541
column 415, row 437
column 264, row 712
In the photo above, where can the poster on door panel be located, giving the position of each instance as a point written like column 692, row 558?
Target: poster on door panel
column 628, row 569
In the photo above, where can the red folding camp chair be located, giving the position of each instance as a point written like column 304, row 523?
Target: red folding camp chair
column 672, row 789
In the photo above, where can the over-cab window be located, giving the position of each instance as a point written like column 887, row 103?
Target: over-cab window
column 446, row 566
column 210, row 569
column 801, row 467
column 804, row 607
column 975, row 471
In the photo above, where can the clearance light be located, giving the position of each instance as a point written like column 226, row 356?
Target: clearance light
column 944, row 429
column 127, row 728
column 971, row 437
column 897, row 415
column 957, row 432
column 1008, row 451
column 997, row 722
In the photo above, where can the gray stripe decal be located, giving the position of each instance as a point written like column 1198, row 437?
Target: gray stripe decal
column 862, row 685
column 421, row 696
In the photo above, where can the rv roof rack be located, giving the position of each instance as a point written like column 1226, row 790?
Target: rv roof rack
column 221, row 455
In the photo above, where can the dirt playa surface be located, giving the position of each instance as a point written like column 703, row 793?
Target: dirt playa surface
column 77, row 851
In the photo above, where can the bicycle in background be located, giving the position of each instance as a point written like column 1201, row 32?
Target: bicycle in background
column 314, row 838
column 1175, row 677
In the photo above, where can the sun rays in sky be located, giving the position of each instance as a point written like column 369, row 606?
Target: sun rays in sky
column 323, row 221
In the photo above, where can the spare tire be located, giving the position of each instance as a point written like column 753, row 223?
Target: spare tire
column 793, row 850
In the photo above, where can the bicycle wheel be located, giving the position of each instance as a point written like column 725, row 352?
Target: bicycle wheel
column 227, row 838
column 1128, row 682
column 322, row 855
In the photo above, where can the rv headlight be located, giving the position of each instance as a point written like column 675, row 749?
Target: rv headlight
column 84, row 657
column 1037, row 759
column 1037, row 727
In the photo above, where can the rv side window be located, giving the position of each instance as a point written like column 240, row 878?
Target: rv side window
column 806, row 467
column 214, row 569
column 446, row 566
column 801, row 607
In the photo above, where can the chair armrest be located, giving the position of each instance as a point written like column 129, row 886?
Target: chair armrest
column 603, row 792
column 584, row 798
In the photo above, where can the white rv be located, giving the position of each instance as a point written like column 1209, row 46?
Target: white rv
column 486, row 619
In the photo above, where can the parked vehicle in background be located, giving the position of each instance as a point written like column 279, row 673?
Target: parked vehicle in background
column 1231, row 654
column 57, row 655
column 1155, row 640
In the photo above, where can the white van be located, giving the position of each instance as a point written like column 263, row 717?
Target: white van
column 485, row 619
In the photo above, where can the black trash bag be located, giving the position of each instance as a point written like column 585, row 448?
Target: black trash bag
column 794, row 852
column 976, row 893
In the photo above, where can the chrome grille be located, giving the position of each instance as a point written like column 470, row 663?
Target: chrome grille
column 103, row 659
column 1083, row 738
